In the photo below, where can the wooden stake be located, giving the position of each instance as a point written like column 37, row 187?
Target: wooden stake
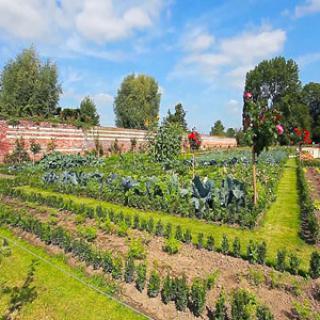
column 254, row 178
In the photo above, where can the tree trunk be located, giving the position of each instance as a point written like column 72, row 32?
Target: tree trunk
column 300, row 151
column 193, row 165
column 254, row 178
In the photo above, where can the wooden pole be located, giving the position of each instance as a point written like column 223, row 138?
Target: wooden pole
column 254, row 178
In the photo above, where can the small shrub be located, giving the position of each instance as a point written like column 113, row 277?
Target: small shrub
column 159, row 229
column 294, row 263
column 236, row 247
column 262, row 253
column 168, row 290
column 141, row 271
column 200, row 241
column 89, row 233
column 171, row 246
column 220, row 312
column 182, row 293
column 136, row 249
column 154, row 284
column 80, row 219
column 225, row 244
column 187, row 238
column 136, row 222
column 168, row 231
column 143, row 224
column 212, row 279
column 150, row 225
column 129, row 270
column 256, row 276
column 178, row 234
column 122, row 229
column 252, row 252
column 198, row 296
column 315, row 265
column 302, row 311
column 210, row 243
column 117, row 268
column 281, row 260
column 243, row 306
column 264, row 313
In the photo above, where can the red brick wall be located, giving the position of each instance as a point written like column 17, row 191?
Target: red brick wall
column 69, row 139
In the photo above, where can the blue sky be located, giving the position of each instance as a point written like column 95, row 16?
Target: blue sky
column 198, row 51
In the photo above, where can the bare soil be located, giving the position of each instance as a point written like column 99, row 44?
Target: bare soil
column 233, row 272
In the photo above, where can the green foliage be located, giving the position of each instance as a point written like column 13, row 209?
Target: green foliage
column 220, row 312
column 262, row 252
column 165, row 143
column 117, row 266
column 154, row 284
column 88, row 112
column 243, row 305
column 256, row 276
column 187, row 238
column 264, row 313
column 129, row 270
column 210, row 243
column 200, row 240
column 178, row 117
column 182, row 293
column 236, row 247
column 137, row 102
column 5, row 250
column 281, row 263
column 217, row 129
column 198, row 296
column 294, row 263
column 230, row 133
column 136, row 249
column 315, row 265
column 19, row 153
column 168, row 231
column 141, row 271
column 225, row 244
column 29, row 88
column 168, row 291
column 212, row 279
column 159, row 229
column 35, row 147
column 178, row 235
column 303, row 310
column 252, row 252
column 171, row 246
column 89, row 233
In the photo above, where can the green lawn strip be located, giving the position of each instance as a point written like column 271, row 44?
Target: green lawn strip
column 59, row 296
column 279, row 228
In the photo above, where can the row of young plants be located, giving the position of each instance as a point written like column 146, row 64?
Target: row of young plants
column 171, row 288
column 310, row 228
column 255, row 252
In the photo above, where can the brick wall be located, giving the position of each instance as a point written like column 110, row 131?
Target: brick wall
column 69, row 139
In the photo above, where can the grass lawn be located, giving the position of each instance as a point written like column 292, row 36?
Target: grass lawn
column 279, row 228
column 58, row 296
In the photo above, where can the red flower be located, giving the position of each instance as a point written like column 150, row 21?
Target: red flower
column 192, row 136
column 247, row 95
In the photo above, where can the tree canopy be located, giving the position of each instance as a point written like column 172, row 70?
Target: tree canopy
column 275, row 83
column 137, row 102
column 88, row 112
column 28, row 87
column 217, row 129
column 230, row 133
column 178, row 117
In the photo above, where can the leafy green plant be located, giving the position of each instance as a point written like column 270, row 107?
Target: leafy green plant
column 136, row 249
column 236, row 247
column 243, row 305
column 168, row 291
column 210, row 243
column 182, row 293
column 198, row 296
column 303, row 310
column 281, row 263
column 225, row 244
column 141, row 271
column 159, row 229
column 252, row 252
column 171, row 246
column 168, row 230
column 89, row 233
column 129, row 270
column 178, row 234
column 212, row 279
column 264, row 313
column 262, row 253
column 117, row 266
column 200, row 241
column 154, row 284
column 294, row 263
column 187, row 238
column 256, row 276
column 315, row 265
column 220, row 312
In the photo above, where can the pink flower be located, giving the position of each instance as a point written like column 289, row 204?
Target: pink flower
column 247, row 95
column 280, row 129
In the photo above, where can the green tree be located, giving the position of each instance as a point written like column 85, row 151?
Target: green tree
column 88, row 112
column 178, row 117
column 35, row 148
column 276, row 83
column 230, row 133
column 137, row 102
column 29, row 87
column 217, row 129
column 311, row 98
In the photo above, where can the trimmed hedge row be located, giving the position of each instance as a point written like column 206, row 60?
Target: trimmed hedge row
column 255, row 253
column 310, row 228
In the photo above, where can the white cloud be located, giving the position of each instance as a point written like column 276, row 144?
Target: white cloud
column 98, row 21
column 197, row 39
column 103, row 99
column 310, row 7
column 233, row 106
column 232, row 57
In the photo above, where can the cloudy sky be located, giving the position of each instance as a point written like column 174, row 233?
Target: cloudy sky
column 199, row 51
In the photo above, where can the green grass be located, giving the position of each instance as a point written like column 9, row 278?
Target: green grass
column 279, row 227
column 59, row 296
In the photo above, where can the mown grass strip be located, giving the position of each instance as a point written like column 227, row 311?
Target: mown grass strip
column 59, row 296
column 279, row 228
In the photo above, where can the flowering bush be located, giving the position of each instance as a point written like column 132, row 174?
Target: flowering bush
column 194, row 140
column 301, row 136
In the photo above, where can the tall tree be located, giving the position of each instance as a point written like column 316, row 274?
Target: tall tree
column 276, row 83
column 178, row 117
column 230, row 133
column 217, row 129
column 311, row 97
column 137, row 102
column 88, row 112
column 29, row 87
